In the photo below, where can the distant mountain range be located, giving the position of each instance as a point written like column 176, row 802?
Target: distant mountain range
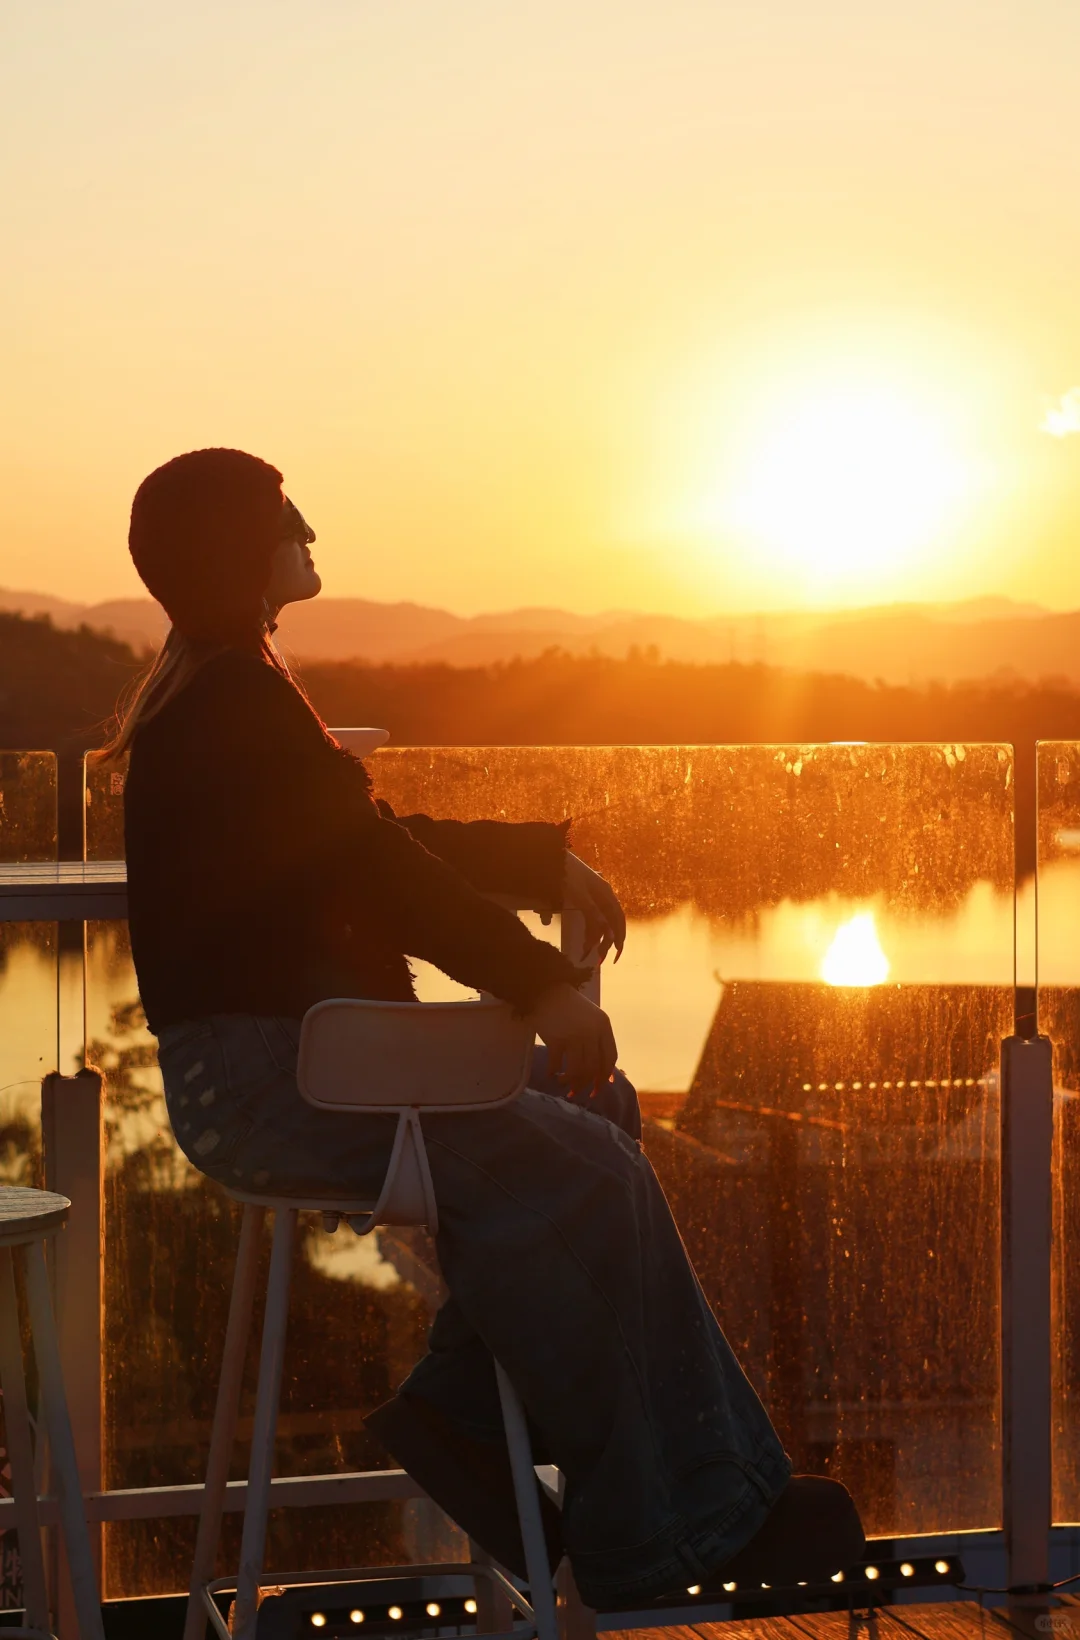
column 899, row 643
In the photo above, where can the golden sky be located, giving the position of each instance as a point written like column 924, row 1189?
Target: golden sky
column 686, row 306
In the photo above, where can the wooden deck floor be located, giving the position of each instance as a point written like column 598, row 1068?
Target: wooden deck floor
column 948, row 1620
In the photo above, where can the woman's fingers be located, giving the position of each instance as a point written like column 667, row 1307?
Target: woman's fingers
column 597, row 932
column 579, row 1037
column 609, row 1052
column 605, row 920
column 614, row 915
column 609, row 917
column 556, row 1057
column 603, row 931
column 583, row 1064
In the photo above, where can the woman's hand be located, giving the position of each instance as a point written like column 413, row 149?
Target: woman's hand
column 605, row 919
column 580, row 1041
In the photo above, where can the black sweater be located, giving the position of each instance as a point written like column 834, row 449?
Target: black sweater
column 263, row 875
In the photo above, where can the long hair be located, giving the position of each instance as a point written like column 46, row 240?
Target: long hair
column 171, row 670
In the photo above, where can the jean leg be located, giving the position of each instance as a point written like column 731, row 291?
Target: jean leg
column 458, row 1374
column 559, row 1248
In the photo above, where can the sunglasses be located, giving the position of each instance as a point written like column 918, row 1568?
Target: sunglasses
column 294, row 526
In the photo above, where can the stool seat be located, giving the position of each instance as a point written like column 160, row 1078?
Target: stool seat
column 26, row 1215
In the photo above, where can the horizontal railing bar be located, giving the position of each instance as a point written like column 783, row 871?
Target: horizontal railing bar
column 286, row 1491
column 92, row 904
column 63, row 891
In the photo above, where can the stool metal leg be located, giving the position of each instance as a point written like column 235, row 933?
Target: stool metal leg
column 526, row 1485
column 17, row 1422
column 62, row 1447
column 271, row 1361
column 226, row 1407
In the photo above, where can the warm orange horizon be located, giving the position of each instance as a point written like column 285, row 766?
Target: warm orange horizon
column 681, row 309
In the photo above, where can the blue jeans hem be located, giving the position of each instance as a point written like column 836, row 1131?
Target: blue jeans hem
column 680, row 1554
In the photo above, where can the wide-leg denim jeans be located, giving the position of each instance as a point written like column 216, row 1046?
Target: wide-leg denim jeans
column 563, row 1262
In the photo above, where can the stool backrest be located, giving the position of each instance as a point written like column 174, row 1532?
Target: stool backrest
column 385, row 1056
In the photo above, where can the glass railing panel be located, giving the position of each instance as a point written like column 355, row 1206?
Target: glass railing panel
column 818, row 973
column 29, row 980
column 1058, row 974
column 27, row 806
column 103, row 798
column 28, row 967
column 815, row 984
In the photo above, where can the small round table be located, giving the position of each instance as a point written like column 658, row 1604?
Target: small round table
column 27, row 1218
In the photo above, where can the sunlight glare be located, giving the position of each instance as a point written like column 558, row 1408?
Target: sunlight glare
column 855, row 956
column 849, row 485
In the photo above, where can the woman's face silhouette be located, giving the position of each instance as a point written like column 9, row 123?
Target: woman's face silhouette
column 293, row 576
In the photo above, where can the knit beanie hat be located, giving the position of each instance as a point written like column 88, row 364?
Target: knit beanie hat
column 204, row 528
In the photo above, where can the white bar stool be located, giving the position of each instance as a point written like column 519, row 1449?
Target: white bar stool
column 27, row 1217
column 403, row 1059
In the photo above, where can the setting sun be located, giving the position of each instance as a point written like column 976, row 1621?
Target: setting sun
column 849, row 485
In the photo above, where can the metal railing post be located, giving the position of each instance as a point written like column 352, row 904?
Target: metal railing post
column 72, row 1128
column 1027, row 1122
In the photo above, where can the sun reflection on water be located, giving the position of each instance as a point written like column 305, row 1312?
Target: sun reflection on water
column 855, row 956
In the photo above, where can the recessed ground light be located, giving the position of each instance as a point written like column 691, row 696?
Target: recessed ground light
column 907, row 1569
column 470, row 1607
column 730, row 1587
column 941, row 1565
column 356, row 1616
column 318, row 1620
column 837, row 1577
column 872, row 1573
column 433, row 1608
column 396, row 1613
column 695, row 1588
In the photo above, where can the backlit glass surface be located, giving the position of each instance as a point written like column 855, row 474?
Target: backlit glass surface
column 29, row 973
column 1058, row 949
column 817, row 976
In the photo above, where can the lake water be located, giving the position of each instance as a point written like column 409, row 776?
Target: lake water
column 663, row 993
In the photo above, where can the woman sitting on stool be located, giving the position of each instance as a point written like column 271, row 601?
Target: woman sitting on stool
column 264, row 876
